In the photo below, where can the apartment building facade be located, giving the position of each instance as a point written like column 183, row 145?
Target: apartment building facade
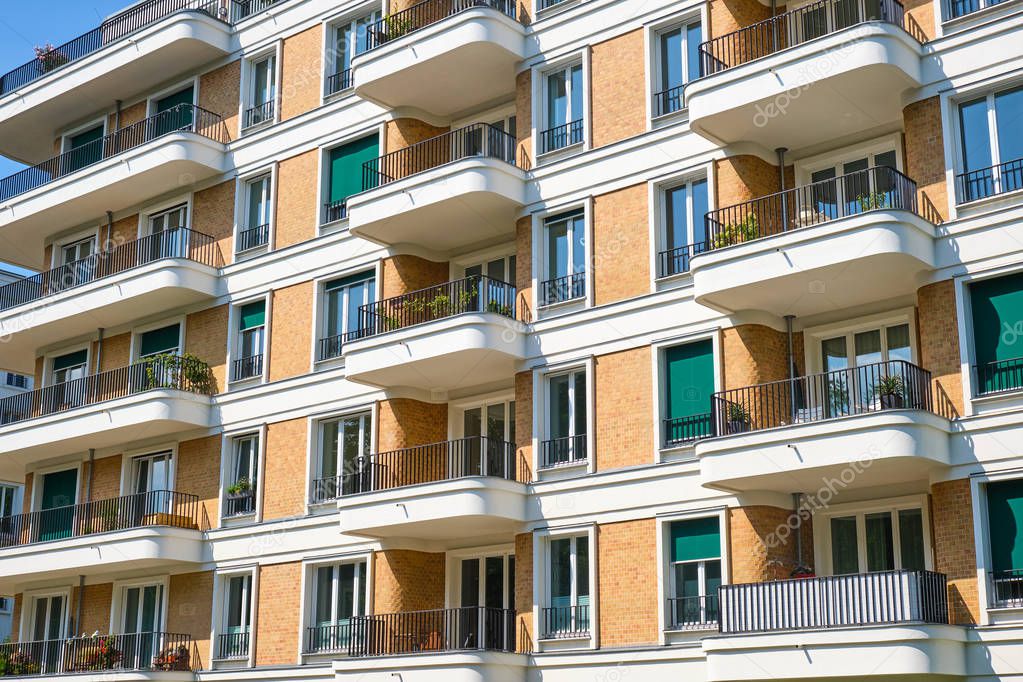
column 516, row 340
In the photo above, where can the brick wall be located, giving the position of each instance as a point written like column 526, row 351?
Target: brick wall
column 407, row 580
column 627, row 557
column 920, row 19
column 954, row 552
column 291, row 330
column 524, row 424
column 755, row 354
column 301, row 71
column 402, row 274
column 279, row 607
column 297, row 215
column 122, row 231
column 924, row 151
column 189, row 609
column 284, row 475
column 96, row 601
column 404, row 132
column 618, row 88
column 730, row 15
column 939, row 345
column 213, row 215
column 198, row 473
column 742, row 178
column 524, row 117
column 403, row 422
column 116, row 353
column 623, row 409
column 106, row 479
column 206, row 338
column 219, row 93
column 524, row 592
column 762, row 546
column 621, row 245
column 523, row 267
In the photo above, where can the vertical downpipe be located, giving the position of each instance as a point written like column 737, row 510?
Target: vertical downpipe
column 797, row 501
column 117, row 127
column 792, row 369
column 78, row 606
column 780, row 151
column 774, row 26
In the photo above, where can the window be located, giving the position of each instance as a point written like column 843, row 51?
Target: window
column 960, row 8
column 8, row 499
column 342, row 320
column 233, row 640
column 1005, row 539
column 694, row 572
column 569, row 578
column 885, row 540
column 82, row 149
column 992, row 155
column 487, row 582
column 151, row 477
column 241, row 476
column 162, row 341
column 997, row 311
column 339, row 595
column 351, row 38
column 166, row 235
column 173, row 112
column 78, row 262
column 689, row 384
column 49, row 618
column 69, row 367
column 343, row 464
column 17, row 380
column 563, row 109
column 852, row 187
column 684, row 230
column 250, row 340
column 262, row 91
column 345, row 175
column 489, row 433
column 255, row 226
column 141, row 616
column 565, row 255
column 566, row 420
column 678, row 63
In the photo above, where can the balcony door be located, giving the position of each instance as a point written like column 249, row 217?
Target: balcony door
column 152, row 477
column 487, row 582
column 78, row 264
column 495, row 422
column 173, row 112
column 49, row 620
column 869, row 542
column 344, row 464
column 140, row 624
column 67, row 388
column 83, row 149
column 165, row 235
column 495, row 298
column 59, row 493
column 339, row 598
column 850, row 188
column 856, row 361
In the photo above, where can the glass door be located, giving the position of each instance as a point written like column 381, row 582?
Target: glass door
column 877, row 541
column 143, row 611
column 236, row 626
column 173, row 112
column 78, row 264
column 857, row 362
column 487, row 582
column 340, row 598
column 49, row 617
column 68, row 382
column 488, row 431
column 166, row 235
column 151, row 480
column 83, row 149
column 59, row 492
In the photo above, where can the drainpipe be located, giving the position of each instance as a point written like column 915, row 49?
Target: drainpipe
column 774, row 26
column 99, row 359
column 88, row 481
column 797, row 501
column 117, row 126
column 780, row 151
column 792, row 368
column 110, row 232
column 78, row 608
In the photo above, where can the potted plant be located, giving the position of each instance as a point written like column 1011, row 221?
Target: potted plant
column 738, row 418
column 240, row 489
column 891, row 390
column 49, row 58
column 745, row 230
column 440, row 306
column 96, row 653
column 872, row 201
column 395, row 27
column 174, row 658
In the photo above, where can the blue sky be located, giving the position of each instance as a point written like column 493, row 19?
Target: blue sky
column 23, row 25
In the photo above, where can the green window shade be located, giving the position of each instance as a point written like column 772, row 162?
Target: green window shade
column 695, row 539
column 997, row 310
column 1005, row 519
column 253, row 315
column 70, row 360
column 346, row 166
column 690, row 374
column 159, row 340
column 82, row 139
column 185, row 96
column 348, row 281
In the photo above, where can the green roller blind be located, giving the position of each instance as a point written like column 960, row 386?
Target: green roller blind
column 351, row 279
column 70, row 360
column 185, row 96
column 997, row 318
column 690, row 376
column 253, row 315
column 160, row 340
column 1005, row 521
column 82, row 139
column 346, row 166
column 696, row 539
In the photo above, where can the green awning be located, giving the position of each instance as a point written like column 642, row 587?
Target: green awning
column 161, row 340
column 253, row 315
column 696, row 539
column 70, row 360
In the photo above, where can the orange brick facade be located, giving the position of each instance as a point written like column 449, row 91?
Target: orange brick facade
column 623, row 409
column 628, row 583
column 939, row 345
column 954, row 549
column 621, row 245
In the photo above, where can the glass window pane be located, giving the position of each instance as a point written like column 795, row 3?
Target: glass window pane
column 976, row 136
column 671, row 59
column 880, row 544
column 557, row 249
column 844, row 551
column 560, row 406
column 911, row 539
column 557, row 100
column 351, row 439
column 701, row 206
column 561, row 572
column 472, row 422
column 1008, row 119
column 346, row 591
column 898, row 343
column 577, row 93
column 582, row 568
column 324, row 594
column 835, row 355
column 328, row 449
column 677, row 214
column 235, row 590
column 470, row 582
column 496, row 421
column 868, row 347
column 694, row 36
column 494, row 582
column 578, row 244
column 580, row 403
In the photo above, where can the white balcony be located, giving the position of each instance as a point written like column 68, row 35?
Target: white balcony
column 109, row 289
column 427, row 666
column 448, row 59
column 126, row 57
column 793, row 253
column 777, row 84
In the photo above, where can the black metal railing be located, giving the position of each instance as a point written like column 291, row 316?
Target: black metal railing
column 988, row 182
column 998, row 377
column 258, row 115
column 677, row 261
column 419, row 464
column 423, row 14
column 866, row 389
column 547, row 4
column 1006, row 588
column 247, row 368
column 561, row 136
column 474, row 294
column 687, row 430
column 137, row 651
column 177, row 242
column 335, row 210
column 185, row 118
column 789, row 29
column 471, row 628
column 563, row 451
column 330, row 347
column 253, row 238
column 169, row 372
column 110, row 31
column 873, row 189
column 960, row 8
column 325, row 489
column 139, row 510
column 565, row 622
column 562, row 289
column 338, row 82
column 247, row 8
column 232, row 645
column 693, row 613
column 669, row 101
column 472, row 141
column 880, row 598
column 240, row 504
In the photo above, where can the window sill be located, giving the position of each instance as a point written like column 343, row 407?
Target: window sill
column 961, row 22
column 575, row 638
column 329, row 363
column 676, row 453
column 670, row 118
column 340, row 94
column 334, row 226
column 254, row 252
column 561, row 153
column 556, row 8
column 238, row 384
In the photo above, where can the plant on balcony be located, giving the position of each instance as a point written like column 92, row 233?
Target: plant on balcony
column 240, row 489
column 17, row 663
column 174, row 658
column 891, row 391
column 872, row 201
column 466, row 298
column 838, row 397
column 440, row 306
column 95, row 653
column 49, row 58
column 499, row 308
column 177, row 371
column 395, row 27
column 738, row 418
column 745, row 230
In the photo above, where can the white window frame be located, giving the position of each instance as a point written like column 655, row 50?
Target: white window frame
column 982, row 534
column 27, row 620
column 65, row 137
column 323, row 299
column 149, row 212
column 542, row 588
column 234, row 339
column 660, row 372
column 128, row 458
column 654, row 36
column 541, row 261
column 539, row 75
column 221, row 594
column 456, row 557
column 308, row 590
column 457, row 409
column 541, row 416
column 49, row 357
column 155, row 97
column 229, row 466
column 813, row 336
column 315, row 469
column 241, row 211
column 248, row 86
column 135, row 349
column 331, row 28
column 35, row 503
column 805, row 168
column 323, row 173
column 117, row 600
